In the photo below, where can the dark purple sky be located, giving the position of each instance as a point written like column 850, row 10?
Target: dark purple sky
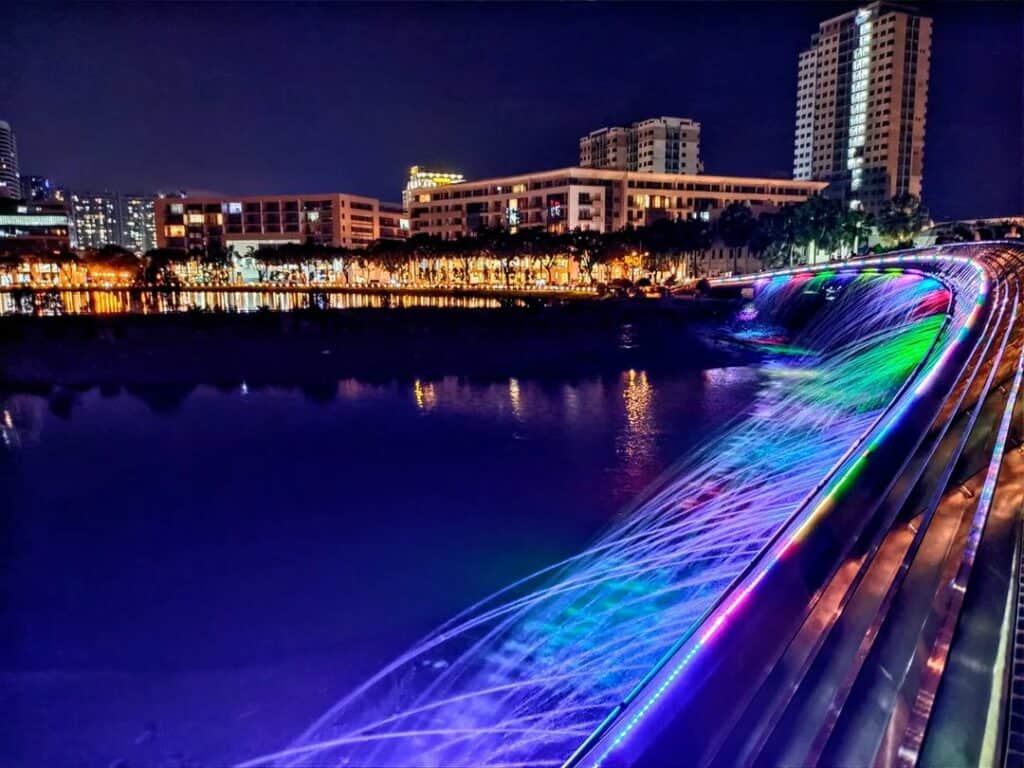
column 253, row 98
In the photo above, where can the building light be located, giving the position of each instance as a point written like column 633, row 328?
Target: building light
column 858, row 100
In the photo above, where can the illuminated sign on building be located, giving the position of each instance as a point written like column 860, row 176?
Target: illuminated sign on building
column 556, row 208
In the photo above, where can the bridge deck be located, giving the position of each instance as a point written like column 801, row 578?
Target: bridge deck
column 876, row 638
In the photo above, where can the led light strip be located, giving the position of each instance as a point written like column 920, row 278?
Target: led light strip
column 836, row 486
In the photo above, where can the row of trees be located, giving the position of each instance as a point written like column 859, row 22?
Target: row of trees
column 664, row 251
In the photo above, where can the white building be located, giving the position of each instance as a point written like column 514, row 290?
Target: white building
column 10, row 179
column 657, row 145
column 862, row 95
column 566, row 199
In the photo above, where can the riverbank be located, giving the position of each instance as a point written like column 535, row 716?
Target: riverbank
column 316, row 346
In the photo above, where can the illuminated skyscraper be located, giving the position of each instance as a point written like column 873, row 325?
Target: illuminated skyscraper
column 10, row 181
column 862, row 94
column 420, row 178
column 656, row 145
column 96, row 217
column 138, row 222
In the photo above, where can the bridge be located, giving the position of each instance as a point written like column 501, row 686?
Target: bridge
column 833, row 580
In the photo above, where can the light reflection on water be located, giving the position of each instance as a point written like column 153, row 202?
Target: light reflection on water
column 132, row 301
column 635, row 442
column 259, row 549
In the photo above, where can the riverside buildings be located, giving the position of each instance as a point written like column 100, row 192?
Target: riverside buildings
column 246, row 223
column 587, row 198
column 657, row 145
column 603, row 200
column 862, row 95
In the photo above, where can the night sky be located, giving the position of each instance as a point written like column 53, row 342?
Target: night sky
column 261, row 98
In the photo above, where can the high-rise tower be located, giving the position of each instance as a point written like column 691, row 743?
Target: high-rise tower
column 10, row 180
column 862, row 95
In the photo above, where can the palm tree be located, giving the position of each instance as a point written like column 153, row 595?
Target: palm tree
column 735, row 227
column 390, row 256
column 901, row 219
column 589, row 247
column 549, row 248
column 527, row 246
column 429, row 248
column 497, row 243
column 158, row 266
column 776, row 236
column 694, row 239
column 465, row 250
column 66, row 261
column 660, row 244
column 855, row 228
column 113, row 260
column 818, row 224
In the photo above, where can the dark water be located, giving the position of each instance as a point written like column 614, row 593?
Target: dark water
column 195, row 585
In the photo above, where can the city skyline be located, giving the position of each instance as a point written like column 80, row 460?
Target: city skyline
column 310, row 142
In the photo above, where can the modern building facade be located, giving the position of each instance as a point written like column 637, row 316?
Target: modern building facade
column 34, row 227
column 862, row 95
column 10, row 180
column 590, row 199
column 138, row 222
column 96, row 217
column 246, row 223
column 421, row 178
column 657, row 145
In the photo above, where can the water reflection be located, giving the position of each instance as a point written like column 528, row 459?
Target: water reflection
column 425, row 396
column 261, row 540
column 632, row 400
column 636, row 442
column 147, row 302
column 515, row 399
column 21, row 418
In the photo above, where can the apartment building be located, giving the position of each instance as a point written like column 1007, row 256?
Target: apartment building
column 862, row 95
column 97, row 219
column 423, row 178
column 656, row 145
column 138, row 222
column 587, row 198
column 246, row 223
